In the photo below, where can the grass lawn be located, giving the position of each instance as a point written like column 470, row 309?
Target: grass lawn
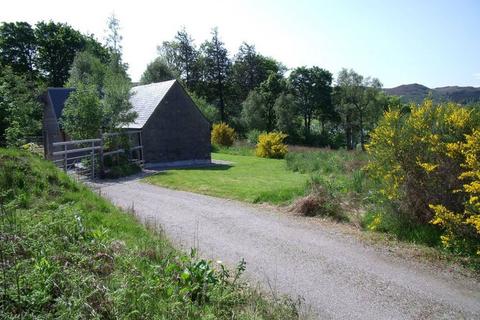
column 247, row 178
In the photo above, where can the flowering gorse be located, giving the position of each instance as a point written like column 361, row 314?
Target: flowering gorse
column 428, row 162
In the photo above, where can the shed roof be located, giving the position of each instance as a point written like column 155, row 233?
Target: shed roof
column 145, row 100
column 58, row 96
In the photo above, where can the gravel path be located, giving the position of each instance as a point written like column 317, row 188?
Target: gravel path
column 337, row 276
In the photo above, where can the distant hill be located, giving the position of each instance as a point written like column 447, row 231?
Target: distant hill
column 416, row 93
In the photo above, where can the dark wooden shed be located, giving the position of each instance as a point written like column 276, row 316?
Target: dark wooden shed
column 173, row 130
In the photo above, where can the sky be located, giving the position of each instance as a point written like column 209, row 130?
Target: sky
column 432, row 42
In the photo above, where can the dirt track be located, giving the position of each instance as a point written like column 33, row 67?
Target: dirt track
column 337, row 276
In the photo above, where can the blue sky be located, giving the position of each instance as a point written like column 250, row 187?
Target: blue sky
column 435, row 43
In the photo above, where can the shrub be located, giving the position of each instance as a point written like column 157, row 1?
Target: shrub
column 252, row 136
column 426, row 163
column 222, row 134
column 270, row 145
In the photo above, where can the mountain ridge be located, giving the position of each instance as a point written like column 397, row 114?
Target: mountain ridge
column 416, row 93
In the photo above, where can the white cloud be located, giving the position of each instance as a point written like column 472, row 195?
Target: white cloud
column 477, row 75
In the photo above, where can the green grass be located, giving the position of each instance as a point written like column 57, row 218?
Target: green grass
column 247, row 178
column 66, row 253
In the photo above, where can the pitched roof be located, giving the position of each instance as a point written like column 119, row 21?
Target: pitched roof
column 58, row 96
column 145, row 100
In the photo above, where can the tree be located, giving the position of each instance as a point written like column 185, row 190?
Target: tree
column 285, row 111
column 82, row 115
column 312, row 89
column 157, row 71
column 114, row 44
column 58, row 44
column 271, row 89
column 253, row 112
column 87, row 69
column 20, row 111
column 250, row 69
column 117, row 109
column 217, row 66
column 358, row 101
column 18, row 48
column 181, row 56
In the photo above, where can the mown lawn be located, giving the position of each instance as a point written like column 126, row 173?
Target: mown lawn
column 246, row 178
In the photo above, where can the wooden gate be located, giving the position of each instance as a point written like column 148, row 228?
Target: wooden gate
column 86, row 157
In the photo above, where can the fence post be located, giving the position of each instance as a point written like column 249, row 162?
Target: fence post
column 101, row 164
column 93, row 160
column 65, row 158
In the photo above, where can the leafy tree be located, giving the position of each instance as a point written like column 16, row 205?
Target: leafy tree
column 208, row 110
column 360, row 102
column 58, row 44
column 87, row 69
column 117, row 109
column 253, row 111
column 18, row 47
column 82, row 115
column 20, row 111
column 271, row 89
column 217, row 67
column 312, row 89
column 286, row 111
column 157, row 71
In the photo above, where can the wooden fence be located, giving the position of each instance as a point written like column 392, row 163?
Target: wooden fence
column 86, row 157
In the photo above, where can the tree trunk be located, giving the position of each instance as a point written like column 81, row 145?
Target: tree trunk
column 362, row 135
column 348, row 132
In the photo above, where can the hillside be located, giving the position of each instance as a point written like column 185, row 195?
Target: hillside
column 67, row 253
column 416, row 93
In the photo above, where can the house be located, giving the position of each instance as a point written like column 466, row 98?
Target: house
column 173, row 130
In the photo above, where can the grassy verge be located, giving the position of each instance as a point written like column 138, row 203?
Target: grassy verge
column 67, row 253
column 245, row 178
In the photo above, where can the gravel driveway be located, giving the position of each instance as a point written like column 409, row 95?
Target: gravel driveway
column 337, row 276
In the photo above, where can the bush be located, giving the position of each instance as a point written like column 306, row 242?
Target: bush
column 270, row 145
column 252, row 136
column 427, row 164
column 222, row 134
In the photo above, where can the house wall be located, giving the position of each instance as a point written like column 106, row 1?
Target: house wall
column 51, row 129
column 176, row 131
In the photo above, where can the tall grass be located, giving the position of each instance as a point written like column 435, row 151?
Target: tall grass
column 67, row 253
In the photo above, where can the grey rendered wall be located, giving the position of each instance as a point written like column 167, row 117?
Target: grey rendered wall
column 176, row 131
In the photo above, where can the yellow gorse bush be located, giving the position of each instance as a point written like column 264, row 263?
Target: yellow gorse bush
column 428, row 162
column 222, row 134
column 270, row 145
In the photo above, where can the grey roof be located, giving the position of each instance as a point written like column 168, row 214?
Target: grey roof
column 145, row 100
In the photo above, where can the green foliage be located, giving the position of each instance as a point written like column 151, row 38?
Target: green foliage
column 207, row 109
column 253, row 112
column 18, row 48
column 312, row 88
column 87, row 69
column 285, row 111
column 271, row 145
column 252, row 136
column 83, row 114
column 20, row 111
column 67, row 253
column 157, row 71
column 222, row 135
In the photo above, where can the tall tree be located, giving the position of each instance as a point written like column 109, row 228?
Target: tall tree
column 287, row 121
column 87, row 69
column 312, row 89
column 58, row 44
column 181, row 55
column 114, row 43
column 217, row 66
column 358, row 101
column 271, row 89
column 18, row 48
